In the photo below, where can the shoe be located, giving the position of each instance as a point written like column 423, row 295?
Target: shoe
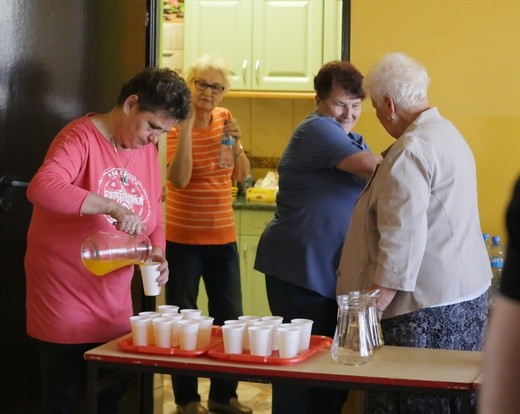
column 233, row 407
column 194, row 407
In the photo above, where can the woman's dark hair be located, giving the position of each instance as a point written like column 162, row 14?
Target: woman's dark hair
column 159, row 90
column 340, row 73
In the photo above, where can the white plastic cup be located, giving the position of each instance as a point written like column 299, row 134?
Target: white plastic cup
column 233, row 337
column 162, row 328
column 305, row 335
column 205, row 327
column 259, row 340
column 168, row 309
column 249, row 319
column 269, row 324
column 277, row 320
column 288, row 341
column 149, row 275
column 235, row 322
column 189, row 313
column 139, row 326
column 175, row 317
column 188, row 330
column 151, row 335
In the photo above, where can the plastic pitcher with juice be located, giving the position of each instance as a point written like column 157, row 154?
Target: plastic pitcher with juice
column 103, row 252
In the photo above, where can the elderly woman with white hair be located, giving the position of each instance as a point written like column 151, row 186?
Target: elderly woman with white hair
column 415, row 232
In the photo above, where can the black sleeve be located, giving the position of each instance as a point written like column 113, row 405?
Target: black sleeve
column 510, row 281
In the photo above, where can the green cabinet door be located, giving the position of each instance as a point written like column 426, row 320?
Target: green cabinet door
column 269, row 45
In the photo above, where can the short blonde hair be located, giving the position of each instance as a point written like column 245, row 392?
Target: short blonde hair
column 209, row 62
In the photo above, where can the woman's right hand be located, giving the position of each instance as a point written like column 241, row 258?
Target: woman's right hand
column 126, row 220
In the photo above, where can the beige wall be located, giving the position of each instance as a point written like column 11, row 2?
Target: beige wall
column 267, row 124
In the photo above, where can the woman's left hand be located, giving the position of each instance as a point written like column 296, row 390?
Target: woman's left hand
column 163, row 268
column 231, row 128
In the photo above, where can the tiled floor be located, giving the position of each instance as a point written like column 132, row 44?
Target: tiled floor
column 254, row 395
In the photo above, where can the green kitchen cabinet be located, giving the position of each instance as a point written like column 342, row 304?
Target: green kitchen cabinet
column 249, row 225
column 254, row 296
column 269, row 45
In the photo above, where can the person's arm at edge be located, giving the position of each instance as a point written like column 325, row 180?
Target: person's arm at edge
column 500, row 375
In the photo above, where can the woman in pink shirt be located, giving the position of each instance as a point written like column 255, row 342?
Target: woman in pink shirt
column 100, row 174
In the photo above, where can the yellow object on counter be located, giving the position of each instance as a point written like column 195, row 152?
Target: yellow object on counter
column 267, row 195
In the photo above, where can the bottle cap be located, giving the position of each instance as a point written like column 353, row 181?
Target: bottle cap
column 228, row 140
column 495, row 239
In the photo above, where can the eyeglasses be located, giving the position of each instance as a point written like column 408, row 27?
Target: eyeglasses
column 216, row 89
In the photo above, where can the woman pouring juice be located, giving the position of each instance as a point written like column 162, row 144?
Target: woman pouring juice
column 101, row 173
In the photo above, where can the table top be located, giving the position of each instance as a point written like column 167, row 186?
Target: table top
column 397, row 366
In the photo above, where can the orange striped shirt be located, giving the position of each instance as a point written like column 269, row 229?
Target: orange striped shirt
column 202, row 212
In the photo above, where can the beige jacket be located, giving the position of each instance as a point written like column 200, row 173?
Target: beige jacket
column 415, row 227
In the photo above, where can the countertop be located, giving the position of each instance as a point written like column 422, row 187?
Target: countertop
column 241, row 204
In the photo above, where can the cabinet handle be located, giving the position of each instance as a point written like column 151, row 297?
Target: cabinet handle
column 244, row 72
column 257, row 71
column 244, row 252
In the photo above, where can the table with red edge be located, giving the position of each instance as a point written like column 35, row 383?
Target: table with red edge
column 393, row 369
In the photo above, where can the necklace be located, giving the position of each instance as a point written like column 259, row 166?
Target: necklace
column 124, row 173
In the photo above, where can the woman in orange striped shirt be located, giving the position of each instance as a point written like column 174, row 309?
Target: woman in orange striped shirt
column 200, row 228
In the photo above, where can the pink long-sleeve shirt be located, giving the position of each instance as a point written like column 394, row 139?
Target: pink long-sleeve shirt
column 65, row 302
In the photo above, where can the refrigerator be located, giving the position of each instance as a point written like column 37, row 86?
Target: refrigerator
column 59, row 59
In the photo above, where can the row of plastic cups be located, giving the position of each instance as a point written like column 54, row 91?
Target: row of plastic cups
column 262, row 336
column 188, row 330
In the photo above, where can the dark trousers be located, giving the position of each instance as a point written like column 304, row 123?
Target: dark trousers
column 64, row 376
column 291, row 302
column 219, row 267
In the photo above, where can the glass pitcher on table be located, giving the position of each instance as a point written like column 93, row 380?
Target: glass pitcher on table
column 103, row 252
column 352, row 344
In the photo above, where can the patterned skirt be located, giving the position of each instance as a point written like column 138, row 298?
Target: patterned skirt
column 461, row 326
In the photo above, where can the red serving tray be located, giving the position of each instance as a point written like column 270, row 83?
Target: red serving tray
column 317, row 342
column 126, row 344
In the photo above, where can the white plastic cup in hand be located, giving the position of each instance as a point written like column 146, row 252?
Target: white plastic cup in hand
column 205, row 327
column 288, row 341
column 162, row 328
column 139, row 326
column 305, row 335
column 249, row 319
column 188, row 330
column 259, row 340
column 168, row 309
column 233, row 337
column 189, row 313
column 277, row 320
column 269, row 324
column 149, row 274
column 175, row 317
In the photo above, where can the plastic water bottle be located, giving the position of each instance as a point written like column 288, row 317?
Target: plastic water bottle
column 487, row 241
column 226, row 158
column 496, row 259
